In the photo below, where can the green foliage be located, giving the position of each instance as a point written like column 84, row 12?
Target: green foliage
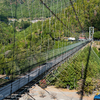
column 29, row 8
column 89, row 85
column 3, row 18
column 72, row 72
column 96, row 51
column 6, row 33
column 2, row 81
column 21, row 25
column 96, row 35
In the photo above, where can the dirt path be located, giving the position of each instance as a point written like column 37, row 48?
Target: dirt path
column 37, row 92
column 1, row 76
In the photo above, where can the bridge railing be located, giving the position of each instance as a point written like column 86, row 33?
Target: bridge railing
column 17, row 84
column 31, row 62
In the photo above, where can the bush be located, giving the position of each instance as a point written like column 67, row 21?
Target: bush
column 2, row 71
column 96, row 35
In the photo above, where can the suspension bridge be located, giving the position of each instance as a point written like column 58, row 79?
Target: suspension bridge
column 31, row 52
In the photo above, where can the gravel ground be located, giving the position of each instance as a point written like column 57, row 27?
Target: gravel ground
column 37, row 93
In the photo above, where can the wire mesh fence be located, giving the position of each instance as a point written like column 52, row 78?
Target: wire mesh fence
column 35, row 33
column 76, row 74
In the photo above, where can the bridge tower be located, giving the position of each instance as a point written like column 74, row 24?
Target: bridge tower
column 91, row 32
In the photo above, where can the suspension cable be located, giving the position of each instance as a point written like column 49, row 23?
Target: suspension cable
column 54, row 14
column 76, row 14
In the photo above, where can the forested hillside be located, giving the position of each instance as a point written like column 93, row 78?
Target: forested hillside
column 29, row 8
column 43, row 35
column 96, row 48
column 72, row 73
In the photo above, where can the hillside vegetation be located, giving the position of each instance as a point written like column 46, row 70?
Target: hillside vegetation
column 29, row 8
column 72, row 73
column 21, row 48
